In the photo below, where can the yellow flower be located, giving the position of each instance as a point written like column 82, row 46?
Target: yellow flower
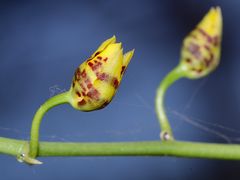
column 96, row 80
column 200, row 53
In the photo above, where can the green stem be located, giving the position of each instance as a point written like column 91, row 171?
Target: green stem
column 50, row 103
column 166, row 131
column 150, row 148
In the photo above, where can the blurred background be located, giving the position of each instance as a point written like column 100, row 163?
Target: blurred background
column 43, row 42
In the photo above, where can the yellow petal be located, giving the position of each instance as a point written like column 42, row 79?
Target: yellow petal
column 112, row 50
column 212, row 22
column 114, row 54
column 127, row 57
column 104, row 45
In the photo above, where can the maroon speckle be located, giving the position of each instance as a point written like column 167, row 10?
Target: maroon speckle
column 115, row 83
column 83, row 73
column 89, row 85
column 93, row 94
column 199, row 70
column 97, row 53
column 105, row 59
column 82, row 86
column 206, row 35
column 73, row 84
column 82, row 102
column 99, row 57
column 77, row 74
column 95, row 61
column 209, row 61
column 188, row 60
column 211, row 57
column 90, row 64
column 78, row 93
column 194, row 50
column 102, row 76
column 83, row 93
column 206, row 47
column 96, row 66
column 123, row 69
column 216, row 41
column 87, row 81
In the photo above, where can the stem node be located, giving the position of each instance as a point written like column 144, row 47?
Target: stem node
column 166, row 136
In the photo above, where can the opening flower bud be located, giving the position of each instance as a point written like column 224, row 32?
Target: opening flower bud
column 200, row 52
column 96, row 80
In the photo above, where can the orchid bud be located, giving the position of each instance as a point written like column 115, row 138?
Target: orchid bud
column 96, row 80
column 200, row 53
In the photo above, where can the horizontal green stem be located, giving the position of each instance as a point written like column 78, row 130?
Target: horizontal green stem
column 149, row 148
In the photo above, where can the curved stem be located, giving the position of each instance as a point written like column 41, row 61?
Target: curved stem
column 166, row 131
column 53, row 101
column 150, row 148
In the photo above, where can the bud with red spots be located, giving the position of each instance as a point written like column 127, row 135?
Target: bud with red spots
column 96, row 80
column 200, row 53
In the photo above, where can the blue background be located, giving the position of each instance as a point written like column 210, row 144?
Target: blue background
column 41, row 44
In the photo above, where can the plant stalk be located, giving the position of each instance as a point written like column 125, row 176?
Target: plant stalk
column 50, row 103
column 166, row 131
column 150, row 148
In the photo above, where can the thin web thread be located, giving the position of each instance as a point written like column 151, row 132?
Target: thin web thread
column 143, row 103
